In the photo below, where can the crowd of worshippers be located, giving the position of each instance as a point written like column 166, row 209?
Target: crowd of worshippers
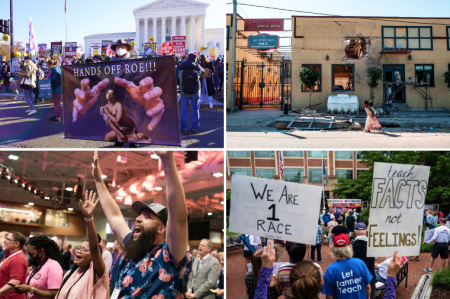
column 351, row 275
column 152, row 259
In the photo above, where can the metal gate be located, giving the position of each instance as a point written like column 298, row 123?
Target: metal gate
column 261, row 85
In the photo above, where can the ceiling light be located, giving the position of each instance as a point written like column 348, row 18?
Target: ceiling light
column 128, row 200
column 70, row 209
column 31, row 203
column 13, row 157
column 119, row 197
column 47, row 197
column 104, row 176
column 218, row 174
column 154, row 156
column 122, row 159
column 158, row 188
column 8, row 176
column 222, row 202
column 209, row 213
column 69, row 189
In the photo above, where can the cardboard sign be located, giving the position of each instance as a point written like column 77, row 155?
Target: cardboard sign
column 106, row 48
column 275, row 209
column 70, row 49
column 396, row 209
column 45, row 88
column 179, row 45
column 167, row 48
column 42, row 50
column 56, row 48
column 115, row 108
column 96, row 48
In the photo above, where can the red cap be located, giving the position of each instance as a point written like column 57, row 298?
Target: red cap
column 341, row 240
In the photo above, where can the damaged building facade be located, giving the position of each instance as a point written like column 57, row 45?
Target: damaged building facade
column 413, row 54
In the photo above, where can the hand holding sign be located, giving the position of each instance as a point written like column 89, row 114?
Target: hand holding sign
column 394, row 265
column 86, row 97
column 146, row 95
column 268, row 255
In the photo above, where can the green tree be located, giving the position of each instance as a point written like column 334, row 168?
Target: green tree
column 447, row 78
column 374, row 74
column 309, row 76
column 438, row 185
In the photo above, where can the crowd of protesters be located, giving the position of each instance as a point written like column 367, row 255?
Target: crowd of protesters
column 351, row 275
column 152, row 260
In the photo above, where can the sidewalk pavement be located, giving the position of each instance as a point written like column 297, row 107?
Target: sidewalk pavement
column 257, row 120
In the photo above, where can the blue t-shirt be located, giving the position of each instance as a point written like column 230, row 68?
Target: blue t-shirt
column 346, row 279
column 155, row 274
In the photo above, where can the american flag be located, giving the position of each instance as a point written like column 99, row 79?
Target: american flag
column 324, row 172
column 281, row 165
column 32, row 39
column 65, row 6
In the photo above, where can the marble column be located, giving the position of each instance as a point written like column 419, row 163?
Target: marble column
column 145, row 30
column 137, row 39
column 163, row 30
column 173, row 26
column 202, row 30
column 192, row 35
column 183, row 26
column 154, row 31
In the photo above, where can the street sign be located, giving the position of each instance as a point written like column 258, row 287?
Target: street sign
column 167, row 48
column 264, row 25
column 263, row 42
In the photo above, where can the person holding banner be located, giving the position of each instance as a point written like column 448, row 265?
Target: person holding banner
column 55, row 78
column 441, row 237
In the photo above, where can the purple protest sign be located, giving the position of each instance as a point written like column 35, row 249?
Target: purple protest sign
column 124, row 101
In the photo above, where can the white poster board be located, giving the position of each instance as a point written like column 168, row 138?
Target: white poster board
column 274, row 209
column 96, row 48
column 396, row 209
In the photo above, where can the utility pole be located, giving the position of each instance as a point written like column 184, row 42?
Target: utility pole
column 233, row 55
column 11, row 32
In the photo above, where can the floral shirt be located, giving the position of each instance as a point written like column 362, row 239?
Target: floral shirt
column 156, row 276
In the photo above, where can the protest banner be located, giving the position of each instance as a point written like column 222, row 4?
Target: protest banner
column 396, row 209
column 106, row 48
column 56, row 48
column 125, row 101
column 338, row 204
column 274, row 209
column 42, row 50
column 70, row 49
column 45, row 88
column 96, row 48
column 179, row 45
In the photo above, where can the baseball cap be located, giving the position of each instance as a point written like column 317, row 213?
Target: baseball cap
column 158, row 209
column 360, row 226
column 341, row 240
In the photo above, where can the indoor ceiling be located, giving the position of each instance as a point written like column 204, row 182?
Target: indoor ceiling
column 130, row 176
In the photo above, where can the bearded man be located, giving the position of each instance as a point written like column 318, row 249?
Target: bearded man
column 155, row 260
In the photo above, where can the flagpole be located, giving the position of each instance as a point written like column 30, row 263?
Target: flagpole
column 65, row 10
column 324, row 181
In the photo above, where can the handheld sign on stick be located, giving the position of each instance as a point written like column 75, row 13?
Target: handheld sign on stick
column 274, row 209
column 396, row 209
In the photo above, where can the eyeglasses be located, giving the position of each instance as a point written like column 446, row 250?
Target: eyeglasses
column 81, row 249
column 10, row 240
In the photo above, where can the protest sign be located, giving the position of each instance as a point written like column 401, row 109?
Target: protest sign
column 159, row 51
column 396, row 209
column 167, row 48
column 148, row 49
column 106, row 48
column 56, row 48
column 125, row 101
column 70, row 49
column 179, row 45
column 274, row 209
column 45, row 88
column 96, row 48
column 14, row 65
column 42, row 50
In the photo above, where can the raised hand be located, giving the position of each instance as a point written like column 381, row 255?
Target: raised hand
column 86, row 97
column 394, row 265
column 147, row 95
column 87, row 209
column 268, row 256
column 96, row 171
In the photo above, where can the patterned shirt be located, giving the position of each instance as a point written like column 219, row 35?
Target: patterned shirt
column 156, row 276
column 319, row 235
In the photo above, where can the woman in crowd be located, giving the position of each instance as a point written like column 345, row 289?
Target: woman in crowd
column 27, row 83
column 371, row 120
column 45, row 277
column 207, row 80
column 89, row 277
column 332, row 223
column 251, row 279
column 55, row 77
column 220, row 283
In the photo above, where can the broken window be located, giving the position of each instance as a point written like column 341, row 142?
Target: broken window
column 357, row 47
column 342, row 77
column 425, row 74
column 448, row 37
column 318, row 86
column 406, row 37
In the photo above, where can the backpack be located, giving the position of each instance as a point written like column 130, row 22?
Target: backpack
column 4, row 69
column 246, row 241
column 189, row 82
column 326, row 218
column 40, row 74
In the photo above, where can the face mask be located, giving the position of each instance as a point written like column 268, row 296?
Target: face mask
column 121, row 52
column 35, row 260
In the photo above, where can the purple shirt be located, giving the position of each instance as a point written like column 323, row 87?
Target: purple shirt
column 263, row 283
column 390, row 288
